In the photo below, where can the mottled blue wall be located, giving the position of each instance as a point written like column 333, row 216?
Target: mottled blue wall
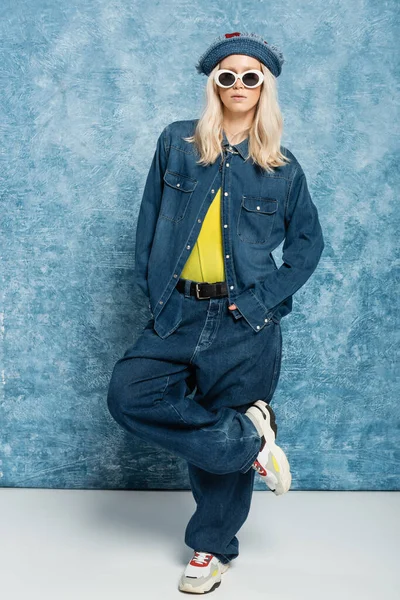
column 86, row 87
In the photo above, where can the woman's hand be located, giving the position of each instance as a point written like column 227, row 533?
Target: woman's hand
column 232, row 307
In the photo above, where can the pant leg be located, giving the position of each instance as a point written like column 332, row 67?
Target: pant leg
column 238, row 368
column 215, row 522
column 148, row 396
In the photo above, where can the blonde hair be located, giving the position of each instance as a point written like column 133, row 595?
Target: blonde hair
column 264, row 134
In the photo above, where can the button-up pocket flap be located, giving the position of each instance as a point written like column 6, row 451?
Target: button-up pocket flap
column 180, row 182
column 258, row 204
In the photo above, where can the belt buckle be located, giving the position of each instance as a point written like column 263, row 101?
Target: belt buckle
column 200, row 297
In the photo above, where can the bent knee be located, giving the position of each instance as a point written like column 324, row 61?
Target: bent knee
column 116, row 395
column 132, row 398
column 114, row 398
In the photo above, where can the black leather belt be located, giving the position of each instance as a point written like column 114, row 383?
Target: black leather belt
column 204, row 290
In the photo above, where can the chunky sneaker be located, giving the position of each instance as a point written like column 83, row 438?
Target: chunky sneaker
column 271, row 462
column 202, row 574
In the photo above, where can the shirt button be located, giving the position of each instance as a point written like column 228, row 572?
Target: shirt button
column 227, row 256
column 199, row 220
column 266, row 320
column 161, row 302
column 227, row 165
column 225, row 225
column 226, row 193
column 187, row 247
column 212, row 191
column 258, row 327
column 175, row 275
column 178, row 185
column 230, row 147
column 258, row 208
column 231, row 287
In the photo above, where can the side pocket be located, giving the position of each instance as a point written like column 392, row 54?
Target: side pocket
column 277, row 361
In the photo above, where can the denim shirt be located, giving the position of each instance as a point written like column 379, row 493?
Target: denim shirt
column 259, row 210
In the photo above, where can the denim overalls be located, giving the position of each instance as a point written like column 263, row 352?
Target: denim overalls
column 228, row 359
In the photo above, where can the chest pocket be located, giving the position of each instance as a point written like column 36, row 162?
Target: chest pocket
column 176, row 195
column 256, row 219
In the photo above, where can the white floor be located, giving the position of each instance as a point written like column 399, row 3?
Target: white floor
column 92, row 544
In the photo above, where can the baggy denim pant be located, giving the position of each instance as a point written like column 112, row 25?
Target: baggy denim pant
column 231, row 366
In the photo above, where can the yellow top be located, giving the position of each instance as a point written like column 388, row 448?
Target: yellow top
column 206, row 262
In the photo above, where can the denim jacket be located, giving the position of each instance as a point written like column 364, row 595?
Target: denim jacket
column 258, row 211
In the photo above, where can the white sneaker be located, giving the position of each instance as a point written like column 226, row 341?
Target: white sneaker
column 202, row 574
column 271, row 462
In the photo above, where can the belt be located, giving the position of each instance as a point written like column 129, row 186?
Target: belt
column 204, row 290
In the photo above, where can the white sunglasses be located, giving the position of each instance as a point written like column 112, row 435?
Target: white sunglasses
column 250, row 79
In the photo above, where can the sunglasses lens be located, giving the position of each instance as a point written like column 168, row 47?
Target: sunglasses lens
column 226, row 79
column 251, row 79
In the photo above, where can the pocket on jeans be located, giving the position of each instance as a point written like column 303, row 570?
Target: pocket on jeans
column 277, row 361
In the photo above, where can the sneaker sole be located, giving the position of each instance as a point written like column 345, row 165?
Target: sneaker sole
column 204, row 589
column 284, row 476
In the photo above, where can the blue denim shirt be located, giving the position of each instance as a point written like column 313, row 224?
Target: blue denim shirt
column 259, row 210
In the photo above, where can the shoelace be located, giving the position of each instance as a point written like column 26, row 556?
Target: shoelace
column 201, row 557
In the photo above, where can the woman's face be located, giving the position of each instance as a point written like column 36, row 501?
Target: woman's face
column 239, row 63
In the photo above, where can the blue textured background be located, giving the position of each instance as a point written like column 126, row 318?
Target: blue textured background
column 86, row 88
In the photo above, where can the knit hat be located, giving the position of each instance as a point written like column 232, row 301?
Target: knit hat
column 241, row 43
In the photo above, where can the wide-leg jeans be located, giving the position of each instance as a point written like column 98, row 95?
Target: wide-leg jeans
column 230, row 366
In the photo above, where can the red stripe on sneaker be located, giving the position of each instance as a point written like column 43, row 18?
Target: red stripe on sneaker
column 256, row 465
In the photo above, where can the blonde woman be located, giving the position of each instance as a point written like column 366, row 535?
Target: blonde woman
column 220, row 196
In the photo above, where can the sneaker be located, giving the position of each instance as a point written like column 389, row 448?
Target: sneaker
column 202, row 574
column 271, row 462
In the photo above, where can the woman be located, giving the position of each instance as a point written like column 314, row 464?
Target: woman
column 221, row 194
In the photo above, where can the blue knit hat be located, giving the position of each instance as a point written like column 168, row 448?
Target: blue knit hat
column 241, row 43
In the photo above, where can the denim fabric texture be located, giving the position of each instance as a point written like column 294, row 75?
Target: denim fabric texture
column 237, row 42
column 151, row 396
column 259, row 210
column 228, row 359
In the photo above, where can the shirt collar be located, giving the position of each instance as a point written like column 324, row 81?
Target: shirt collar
column 242, row 148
